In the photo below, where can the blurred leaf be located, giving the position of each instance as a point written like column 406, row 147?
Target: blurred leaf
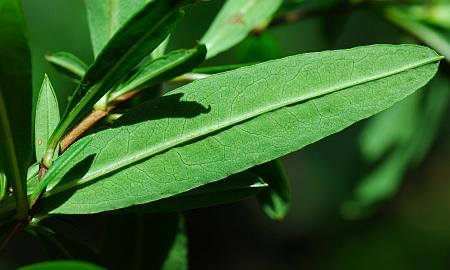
column 68, row 64
column 275, row 199
column 15, row 100
column 437, row 14
column 234, row 21
column 436, row 39
column 106, row 17
column 422, row 115
column 219, row 69
column 161, row 69
column 139, row 36
column 47, row 117
column 62, row 265
column 3, row 185
column 258, row 48
column 238, row 119
column 156, row 241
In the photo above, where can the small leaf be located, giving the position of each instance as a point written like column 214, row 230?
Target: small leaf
column 275, row 199
column 129, row 45
column 161, row 69
column 3, row 185
column 62, row 265
column 224, row 124
column 68, row 64
column 234, row 21
column 15, row 100
column 47, row 117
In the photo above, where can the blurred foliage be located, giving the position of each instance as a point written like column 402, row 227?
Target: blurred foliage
column 390, row 173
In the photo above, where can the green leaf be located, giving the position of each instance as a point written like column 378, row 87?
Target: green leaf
column 15, row 100
column 438, row 40
column 275, row 199
column 62, row 265
column 129, row 45
column 106, row 17
column 134, row 237
column 161, row 69
column 47, row 117
column 229, row 122
column 419, row 117
column 68, row 64
column 3, row 185
column 234, row 21
column 218, row 69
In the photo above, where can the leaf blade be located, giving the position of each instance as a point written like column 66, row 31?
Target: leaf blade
column 67, row 63
column 375, row 76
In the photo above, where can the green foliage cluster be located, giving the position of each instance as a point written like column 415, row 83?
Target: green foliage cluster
column 124, row 148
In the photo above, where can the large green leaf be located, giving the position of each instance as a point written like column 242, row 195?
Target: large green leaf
column 62, row 265
column 229, row 122
column 156, row 241
column 163, row 68
column 235, row 20
column 15, row 99
column 129, row 45
column 47, row 117
column 68, row 64
column 106, row 17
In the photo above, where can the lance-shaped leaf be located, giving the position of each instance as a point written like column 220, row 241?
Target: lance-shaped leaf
column 160, row 69
column 106, row 17
column 234, row 21
column 129, row 45
column 47, row 117
column 229, row 122
column 62, row 265
column 275, row 199
column 15, row 100
column 68, row 64
column 134, row 236
column 436, row 39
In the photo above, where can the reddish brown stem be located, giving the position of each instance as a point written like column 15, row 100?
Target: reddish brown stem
column 17, row 228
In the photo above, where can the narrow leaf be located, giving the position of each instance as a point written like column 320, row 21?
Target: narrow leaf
column 68, row 64
column 275, row 199
column 129, row 45
column 47, row 117
column 161, row 69
column 3, row 185
column 62, row 265
column 229, row 122
column 106, row 17
column 15, row 100
column 234, row 21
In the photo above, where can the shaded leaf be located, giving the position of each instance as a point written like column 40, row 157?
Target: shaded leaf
column 227, row 123
column 234, row 21
column 275, row 199
column 106, row 17
column 47, row 117
column 134, row 236
column 139, row 36
column 15, row 100
column 68, row 64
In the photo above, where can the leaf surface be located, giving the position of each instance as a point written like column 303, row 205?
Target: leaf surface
column 47, row 117
column 62, row 265
column 15, row 99
column 234, row 21
column 229, row 122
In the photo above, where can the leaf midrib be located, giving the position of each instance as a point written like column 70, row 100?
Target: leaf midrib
column 235, row 121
